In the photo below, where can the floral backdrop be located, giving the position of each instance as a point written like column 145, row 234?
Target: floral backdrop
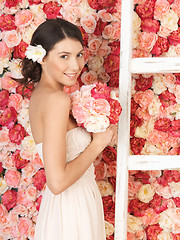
column 154, row 196
column 154, row 203
column 22, row 177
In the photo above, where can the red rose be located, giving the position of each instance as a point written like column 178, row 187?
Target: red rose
column 146, row 9
column 135, row 122
column 52, row 9
column 161, row 45
column 99, row 27
column 11, row 3
column 114, row 79
column 31, row 2
column 109, row 209
column 175, row 128
column 85, row 36
column 150, row 25
column 137, row 207
column 9, row 199
column 19, row 51
column 111, row 167
column 158, row 203
column 111, row 63
column 19, row 161
column 163, row 124
column 27, row 91
column 177, row 201
column 107, row 3
column 4, row 97
column 177, row 78
column 1, row 168
column 137, row 145
column 7, row 22
column 17, row 134
column 134, row 106
column 152, row 231
column 94, row 4
column 142, row 176
column 167, row 99
column 110, row 237
column 8, row 117
column 115, row 48
column 175, row 236
column 38, row 202
column 115, row 110
column 39, row 179
column 174, row 38
column 112, row 180
column 109, row 154
column 142, row 84
column 100, row 171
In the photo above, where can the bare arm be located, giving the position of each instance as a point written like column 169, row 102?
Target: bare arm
column 59, row 174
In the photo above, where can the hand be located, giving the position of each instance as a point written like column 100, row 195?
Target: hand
column 103, row 139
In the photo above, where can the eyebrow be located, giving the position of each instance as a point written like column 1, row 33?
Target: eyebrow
column 69, row 52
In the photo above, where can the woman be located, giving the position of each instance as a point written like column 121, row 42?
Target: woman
column 71, row 207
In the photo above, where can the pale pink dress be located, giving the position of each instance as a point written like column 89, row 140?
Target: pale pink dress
column 76, row 213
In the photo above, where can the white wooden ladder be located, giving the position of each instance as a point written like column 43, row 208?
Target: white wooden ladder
column 125, row 161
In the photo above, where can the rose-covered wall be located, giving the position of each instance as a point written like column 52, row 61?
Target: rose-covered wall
column 22, row 177
column 154, row 196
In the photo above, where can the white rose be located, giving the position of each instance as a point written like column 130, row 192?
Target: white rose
column 150, row 149
column 170, row 20
column 35, row 53
column 135, row 40
column 23, row 117
column 3, row 186
column 175, row 189
column 136, row 21
column 158, row 84
column 97, row 124
column 134, row 224
column 105, row 188
column 27, row 34
column 95, row 63
column 109, row 228
column 164, row 236
column 166, row 220
column 4, row 63
column 154, row 106
column 146, row 193
column 28, row 144
column 15, row 68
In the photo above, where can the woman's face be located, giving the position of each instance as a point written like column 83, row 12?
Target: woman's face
column 63, row 63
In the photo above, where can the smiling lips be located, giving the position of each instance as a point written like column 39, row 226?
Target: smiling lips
column 71, row 75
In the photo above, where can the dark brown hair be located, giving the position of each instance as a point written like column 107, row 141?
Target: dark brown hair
column 47, row 35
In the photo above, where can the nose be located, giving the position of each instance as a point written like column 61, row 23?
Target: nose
column 74, row 64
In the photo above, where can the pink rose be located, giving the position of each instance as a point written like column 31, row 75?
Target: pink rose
column 150, row 217
column 27, row 91
column 147, row 40
column 17, row 134
column 39, row 179
column 12, row 178
column 158, row 203
column 144, row 98
column 101, row 106
column 52, row 9
column 133, row 187
column 80, row 113
column 15, row 101
column 12, row 38
column 9, row 199
column 137, row 53
column 100, row 171
column 161, row 7
column 150, row 25
column 88, row 23
column 38, row 202
column 4, row 97
column 94, row 44
column 31, row 193
column 23, row 18
column 176, row 7
column 24, row 225
column 8, row 117
column 156, row 137
column 31, row 2
column 6, row 81
column 7, row 22
column 101, row 90
column 4, row 50
column 162, row 124
column 89, row 77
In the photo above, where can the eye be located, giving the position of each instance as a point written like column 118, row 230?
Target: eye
column 80, row 55
column 64, row 56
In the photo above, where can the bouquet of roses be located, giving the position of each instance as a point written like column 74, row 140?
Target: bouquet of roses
column 95, row 107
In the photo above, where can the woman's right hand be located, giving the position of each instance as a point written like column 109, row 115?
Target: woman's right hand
column 103, row 139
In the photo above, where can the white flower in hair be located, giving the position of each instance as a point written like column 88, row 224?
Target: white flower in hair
column 35, row 53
